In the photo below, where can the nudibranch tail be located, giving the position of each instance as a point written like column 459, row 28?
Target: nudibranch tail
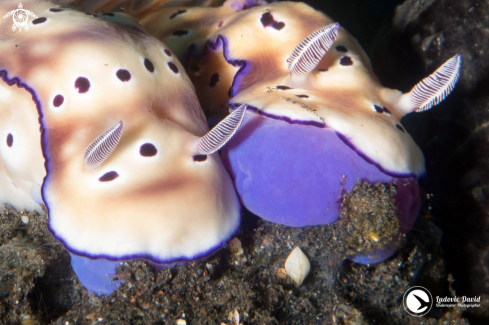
column 102, row 147
column 307, row 55
column 221, row 133
column 433, row 89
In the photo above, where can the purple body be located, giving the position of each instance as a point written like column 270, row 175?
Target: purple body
column 95, row 274
column 408, row 203
column 291, row 174
column 294, row 174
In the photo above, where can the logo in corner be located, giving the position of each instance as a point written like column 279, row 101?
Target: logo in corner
column 21, row 18
column 417, row 301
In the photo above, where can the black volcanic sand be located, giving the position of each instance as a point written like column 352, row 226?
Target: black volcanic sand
column 446, row 251
column 38, row 285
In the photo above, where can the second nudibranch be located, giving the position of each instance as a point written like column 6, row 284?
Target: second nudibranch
column 318, row 118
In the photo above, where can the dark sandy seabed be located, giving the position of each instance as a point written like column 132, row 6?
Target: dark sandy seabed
column 447, row 251
column 38, row 284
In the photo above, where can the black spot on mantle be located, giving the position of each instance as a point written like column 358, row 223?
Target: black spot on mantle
column 200, row 158
column 10, row 139
column 346, row 61
column 214, row 79
column 82, row 84
column 267, row 20
column 149, row 65
column 180, row 32
column 123, row 75
column 378, row 109
column 278, row 25
column 39, row 20
column 58, row 100
column 283, row 87
column 400, row 128
column 107, row 177
column 173, row 67
column 148, row 150
column 179, row 12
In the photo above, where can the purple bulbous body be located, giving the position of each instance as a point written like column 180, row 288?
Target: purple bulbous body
column 95, row 274
column 295, row 174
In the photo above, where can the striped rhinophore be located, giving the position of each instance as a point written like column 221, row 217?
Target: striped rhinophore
column 220, row 135
column 311, row 50
column 102, row 147
column 433, row 89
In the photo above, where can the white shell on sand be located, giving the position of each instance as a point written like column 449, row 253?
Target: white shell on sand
column 297, row 265
column 235, row 318
column 235, row 246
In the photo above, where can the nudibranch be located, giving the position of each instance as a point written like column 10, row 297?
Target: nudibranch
column 100, row 122
column 318, row 118
column 138, row 9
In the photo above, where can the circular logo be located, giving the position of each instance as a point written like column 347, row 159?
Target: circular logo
column 20, row 17
column 417, row 301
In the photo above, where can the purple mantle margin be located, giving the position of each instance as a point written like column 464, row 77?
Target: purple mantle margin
column 244, row 67
column 341, row 136
column 44, row 146
column 220, row 42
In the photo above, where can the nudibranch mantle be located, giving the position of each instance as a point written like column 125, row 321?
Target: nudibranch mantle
column 104, row 118
column 318, row 117
column 341, row 93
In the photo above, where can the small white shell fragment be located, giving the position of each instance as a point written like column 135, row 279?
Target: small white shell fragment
column 235, row 246
column 297, row 265
column 235, row 318
column 25, row 219
column 181, row 321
